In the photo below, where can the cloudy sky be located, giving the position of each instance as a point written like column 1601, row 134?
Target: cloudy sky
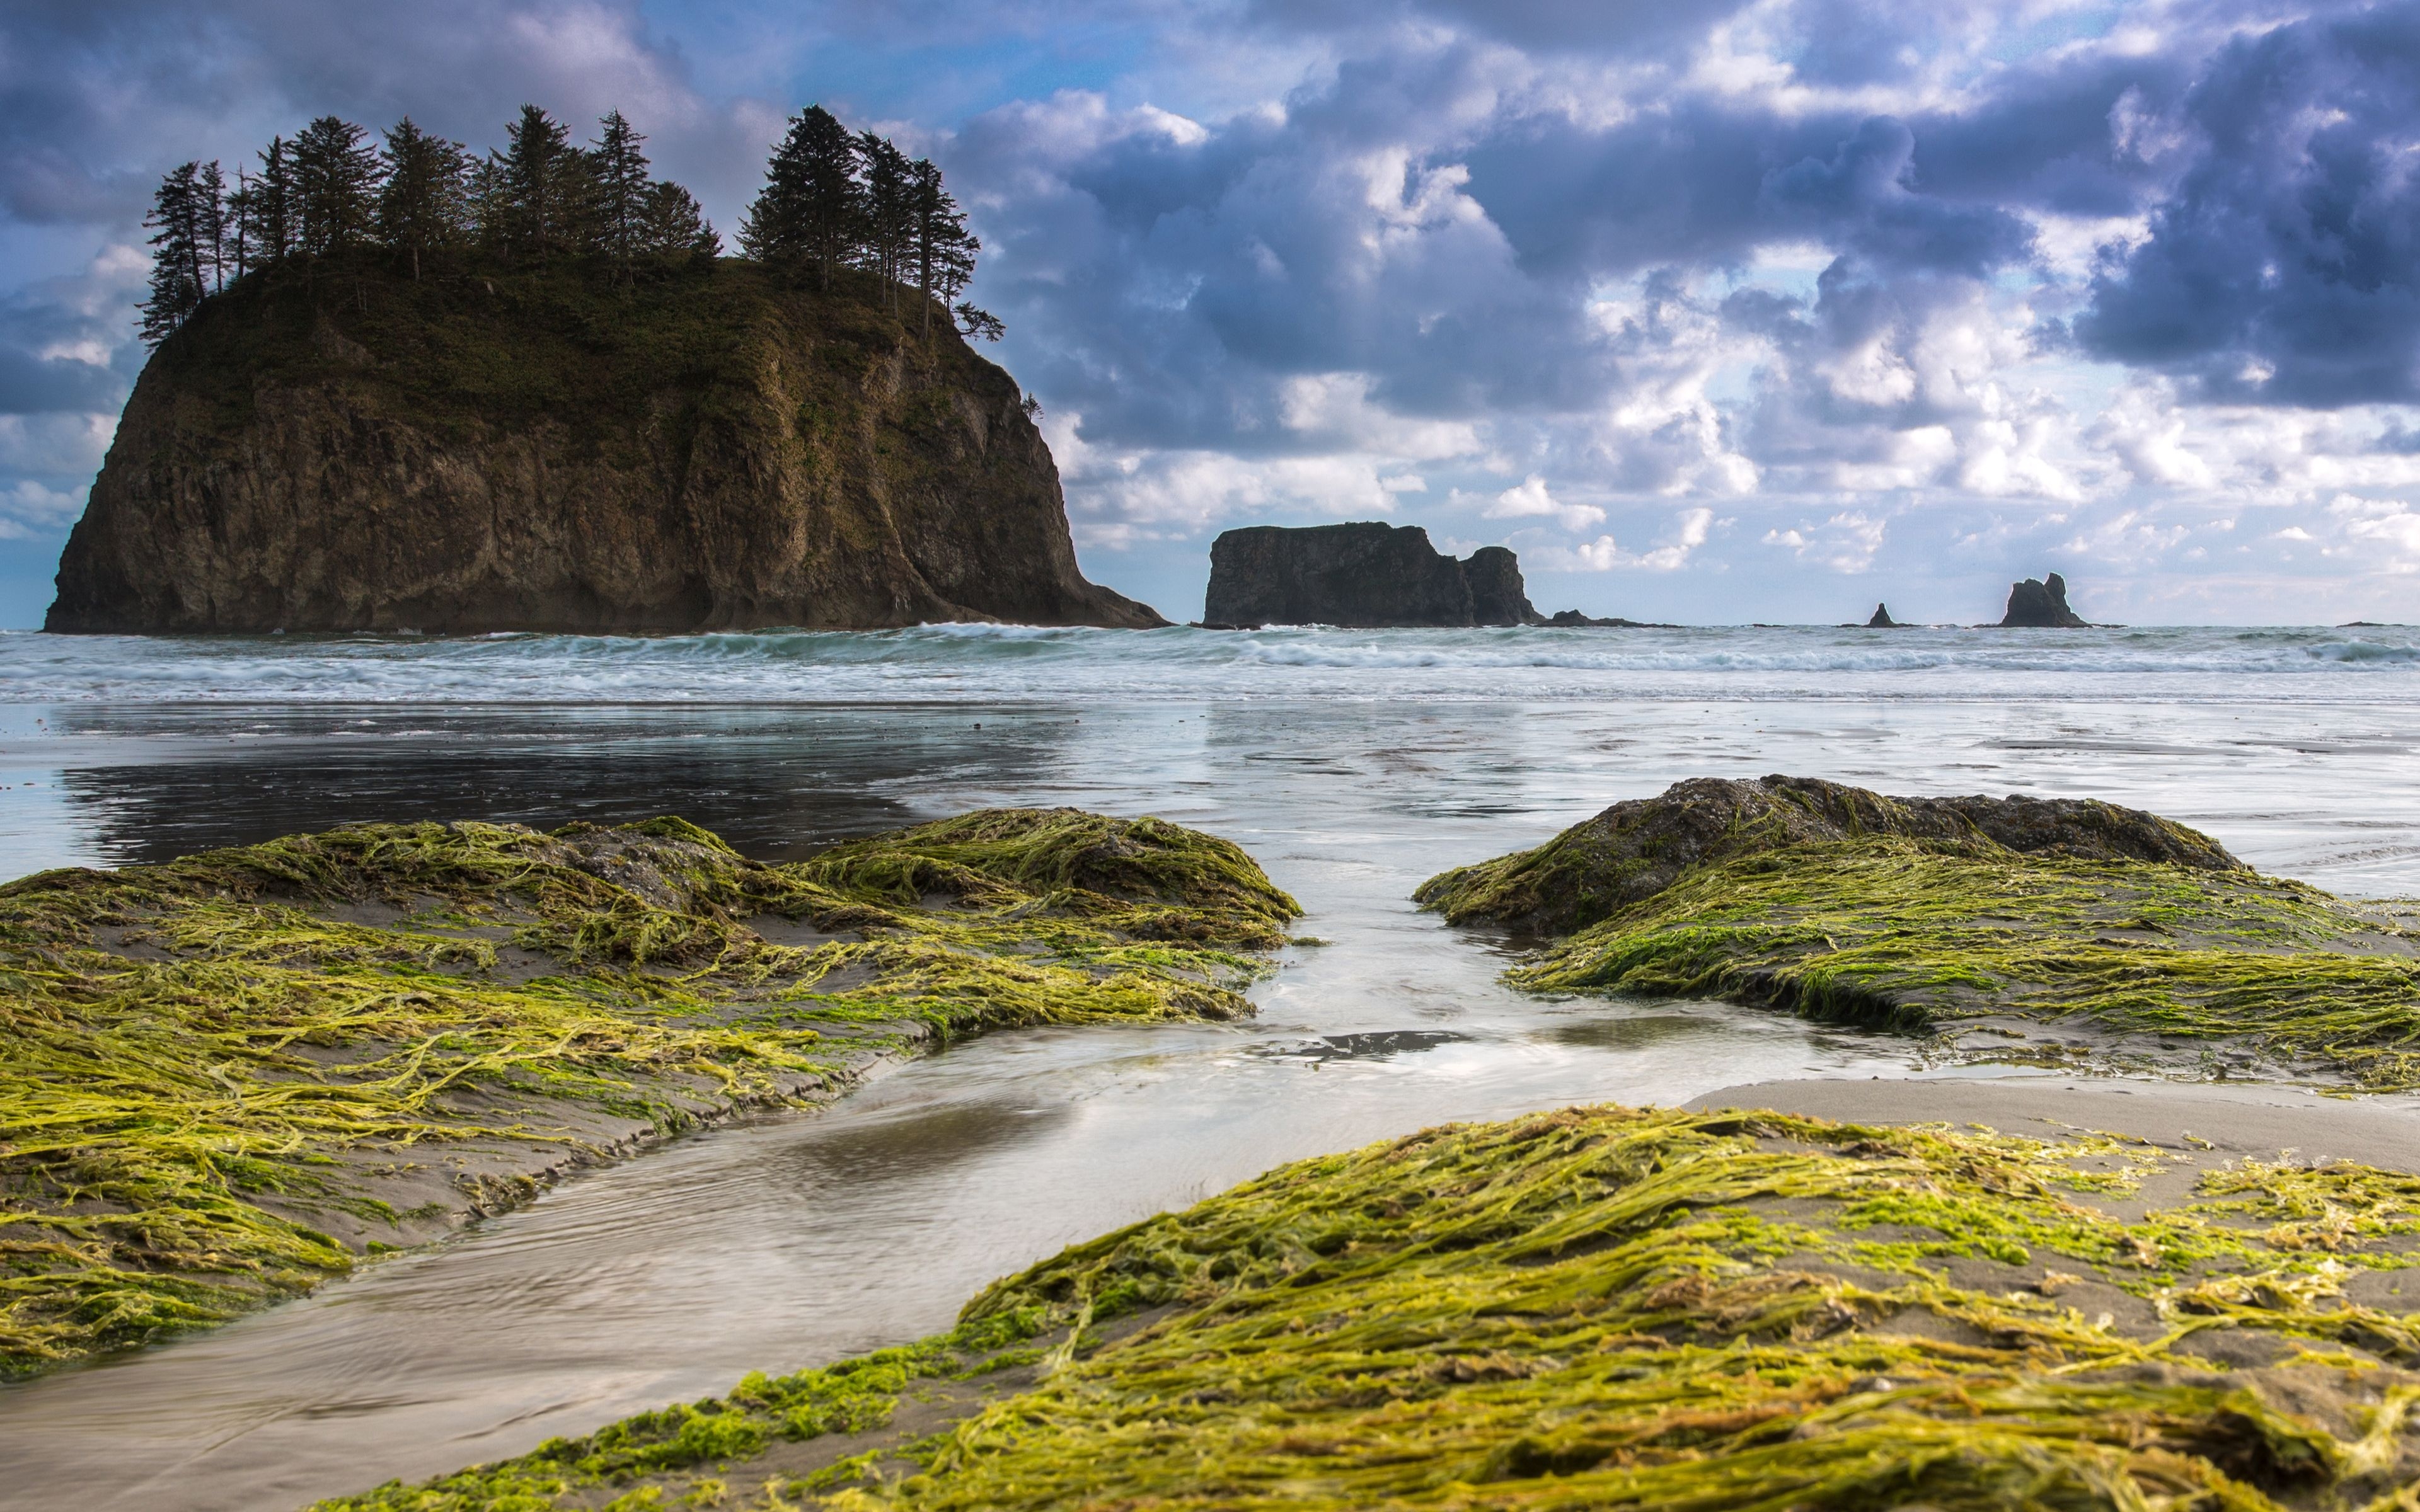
column 1745, row 310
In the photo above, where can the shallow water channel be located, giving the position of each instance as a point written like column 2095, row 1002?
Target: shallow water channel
column 800, row 1239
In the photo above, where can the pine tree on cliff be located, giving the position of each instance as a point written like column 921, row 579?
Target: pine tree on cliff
column 210, row 230
column 622, row 189
column 425, row 203
column 888, row 225
column 547, row 186
column 265, row 206
column 941, row 249
column 177, row 222
column 811, row 207
column 335, row 187
column 674, row 225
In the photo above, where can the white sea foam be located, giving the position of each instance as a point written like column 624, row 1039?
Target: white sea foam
column 983, row 663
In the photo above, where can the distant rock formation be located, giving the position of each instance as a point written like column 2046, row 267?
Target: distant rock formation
column 341, row 448
column 2039, row 603
column 1572, row 619
column 1364, row 575
column 1882, row 620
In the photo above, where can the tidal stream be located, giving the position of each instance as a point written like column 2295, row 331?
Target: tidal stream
column 798, row 1239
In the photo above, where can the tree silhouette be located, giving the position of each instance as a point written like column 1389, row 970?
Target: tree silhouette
column 547, row 183
column 622, row 189
column 812, row 205
column 888, row 223
column 179, row 222
column 673, row 225
column 424, row 203
column 265, row 209
column 335, row 187
column 941, row 249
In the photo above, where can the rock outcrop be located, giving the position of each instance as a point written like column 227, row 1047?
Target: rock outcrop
column 1362, row 576
column 339, row 448
column 2040, row 604
column 1637, row 848
column 1882, row 620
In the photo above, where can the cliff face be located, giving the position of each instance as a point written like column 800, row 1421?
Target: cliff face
column 715, row 448
column 1362, row 576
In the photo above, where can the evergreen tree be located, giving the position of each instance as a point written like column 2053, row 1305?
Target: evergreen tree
column 812, row 205
column 887, row 228
column 673, row 224
column 266, row 211
column 240, row 216
column 983, row 323
column 176, row 221
column 548, row 183
column 212, row 252
column 335, row 186
column 623, row 192
column 423, row 204
column 490, row 196
column 941, row 250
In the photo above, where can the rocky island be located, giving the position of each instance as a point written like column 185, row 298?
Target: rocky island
column 2040, row 604
column 1362, row 576
column 1366, row 576
column 725, row 445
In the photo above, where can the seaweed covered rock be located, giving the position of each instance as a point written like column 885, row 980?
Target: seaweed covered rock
column 1360, row 575
column 338, row 447
column 2057, row 933
column 213, row 1061
column 2040, row 604
column 1637, row 848
column 1616, row 1308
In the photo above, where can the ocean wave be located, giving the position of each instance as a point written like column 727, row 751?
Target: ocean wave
column 974, row 663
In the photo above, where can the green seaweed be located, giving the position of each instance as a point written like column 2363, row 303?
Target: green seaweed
column 1910, row 915
column 1609, row 1308
column 200, row 1055
column 1890, row 933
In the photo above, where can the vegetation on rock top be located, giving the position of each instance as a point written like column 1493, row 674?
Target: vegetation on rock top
column 1997, row 917
column 209, row 1060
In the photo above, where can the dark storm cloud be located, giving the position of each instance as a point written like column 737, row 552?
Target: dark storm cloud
column 2285, row 267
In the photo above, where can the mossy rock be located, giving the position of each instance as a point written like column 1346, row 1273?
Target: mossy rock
column 1617, row 1307
column 1636, row 849
column 218, row 1066
column 2015, row 929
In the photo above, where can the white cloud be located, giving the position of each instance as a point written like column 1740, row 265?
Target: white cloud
column 1690, row 530
column 1845, row 542
column 1529, row 500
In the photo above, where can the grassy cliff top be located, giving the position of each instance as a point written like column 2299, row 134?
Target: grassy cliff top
column 481, row 345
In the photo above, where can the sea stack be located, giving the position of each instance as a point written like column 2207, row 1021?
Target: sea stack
column 2040, row 604
column 1882, row 620
column 716, row 447
column 1364, row 575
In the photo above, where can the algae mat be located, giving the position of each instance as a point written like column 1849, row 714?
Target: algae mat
column 2055, row 932
column 1620, row 1307
column 227, row 1078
